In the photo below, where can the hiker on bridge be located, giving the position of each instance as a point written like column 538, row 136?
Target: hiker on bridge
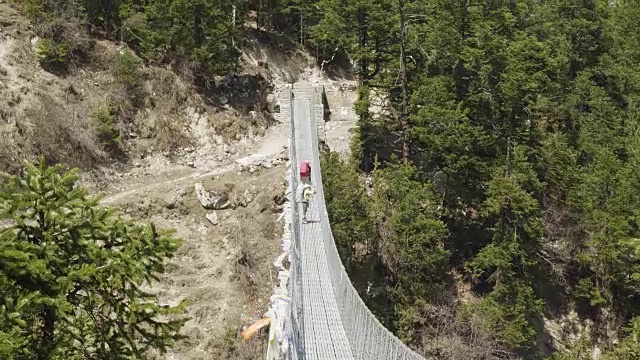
column 305, row 190
column 305, row 171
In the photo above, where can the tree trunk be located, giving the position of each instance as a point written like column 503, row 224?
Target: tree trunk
column 301, row 26
column 258, row 15
column 48, row 327
column 197, row 26
column 404, row 115
column 363, row 70
column 198, row 38
column 460, row 73
column 364, row 63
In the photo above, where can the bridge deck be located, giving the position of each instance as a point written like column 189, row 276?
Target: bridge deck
column 329, row 320
column 324, row 333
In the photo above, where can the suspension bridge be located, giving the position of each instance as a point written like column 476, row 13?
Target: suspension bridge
column 316, row 313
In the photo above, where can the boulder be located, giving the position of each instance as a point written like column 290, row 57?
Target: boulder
column 213, row 218
column 212, row 200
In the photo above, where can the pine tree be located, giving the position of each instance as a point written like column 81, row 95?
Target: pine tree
column 348, row 209
column 411, row 242
column 73, row 274
column 509, row 263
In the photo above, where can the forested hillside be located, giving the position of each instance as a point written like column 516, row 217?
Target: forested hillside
column 504, row 156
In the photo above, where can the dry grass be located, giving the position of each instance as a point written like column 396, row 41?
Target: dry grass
column 171, row 134
column 63, row 137
column 447, row 335
column 48, row 128
column 80, row 47
column 231, row 346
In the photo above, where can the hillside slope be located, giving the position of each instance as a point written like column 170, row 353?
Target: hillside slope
column 72, row 117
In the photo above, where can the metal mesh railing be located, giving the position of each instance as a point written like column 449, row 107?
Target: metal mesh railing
column 328, row 319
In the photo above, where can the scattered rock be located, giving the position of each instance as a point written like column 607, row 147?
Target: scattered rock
column 202, row 230
column 279, row 200
column 345, row 86
column 254, row 160
column 248, row 198
column 170, row 202
column 212, row 200
column 34, row 41
column 213, row 218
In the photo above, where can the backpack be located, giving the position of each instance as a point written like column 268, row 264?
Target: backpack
column 305, row 168
column 307, row 191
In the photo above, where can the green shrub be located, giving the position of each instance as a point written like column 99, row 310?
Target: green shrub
column 127, row 70
column 105, row 121
column 52, row 54
column 137, row 33
column 127, row 73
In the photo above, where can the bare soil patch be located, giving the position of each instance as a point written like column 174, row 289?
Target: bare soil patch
column 224, row 271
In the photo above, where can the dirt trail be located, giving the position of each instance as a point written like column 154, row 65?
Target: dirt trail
column 118, row 196
column 224, row 268
column 269, row 147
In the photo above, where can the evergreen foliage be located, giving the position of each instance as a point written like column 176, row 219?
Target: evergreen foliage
column 198, row 35
column 522, row 173
column 73, row 275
